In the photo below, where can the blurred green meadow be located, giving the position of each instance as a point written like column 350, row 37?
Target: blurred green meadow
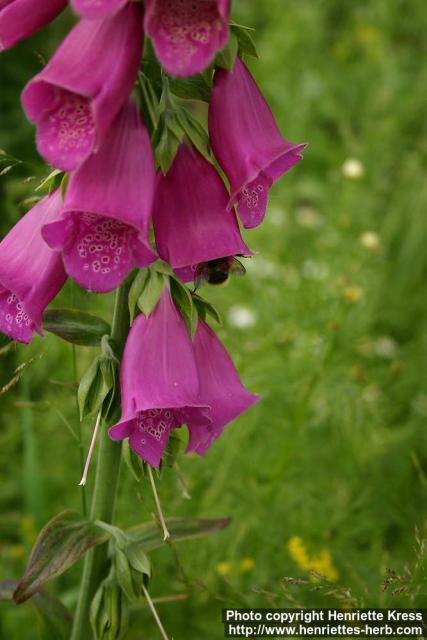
column 326, row 478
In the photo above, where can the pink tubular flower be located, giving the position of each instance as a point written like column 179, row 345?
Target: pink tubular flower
column 76, row 97
column 30, row 273
column 220, row 388
column 187, row 33
column 97, row 8
column 19, row 19
column 159, row 382
column 103, row 230
column 247, row 142
column 190, row 217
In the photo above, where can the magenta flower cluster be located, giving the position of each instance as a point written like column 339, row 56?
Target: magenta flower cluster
column 88, row 124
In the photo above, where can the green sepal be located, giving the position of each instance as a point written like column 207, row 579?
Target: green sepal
column 135, row 291
column 97, row 388
column 132, row 461
column 130, row 562
column 148, row 102
column 184, row 302
column 196, row 133
column 162, row 267
column 205, row 309
column 226, row 57
column 166, row 140
column 109, row 612
column 151, row 293
column 244, row 39
column 64, row 184
column 123, row 573
column 173, row 450
column 51, row 182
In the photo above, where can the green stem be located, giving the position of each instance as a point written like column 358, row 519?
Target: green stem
column 106, row 481
column 79, row 435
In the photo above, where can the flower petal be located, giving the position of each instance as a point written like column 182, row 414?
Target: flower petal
column 77, row 95
column 220, row 389
column 190, row 217
column 246, row 141
column 97, row 8
column 29, row 270
column 187, row 34
column 19, row 19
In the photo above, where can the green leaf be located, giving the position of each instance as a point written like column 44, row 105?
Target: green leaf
column 205, row 308
column 151, row 293
column 7, row 589
column 225, row 58
column 77, row 327
column 148, row 536
column 58, row 546
column 136, row 289
column 244, row 39
column 54, row 617
column 184, row 301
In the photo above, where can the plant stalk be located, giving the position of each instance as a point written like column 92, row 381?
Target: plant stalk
column 106, row 481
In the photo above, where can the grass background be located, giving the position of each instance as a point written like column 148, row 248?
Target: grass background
column 329, row 325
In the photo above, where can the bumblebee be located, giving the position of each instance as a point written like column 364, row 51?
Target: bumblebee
column 217, row 272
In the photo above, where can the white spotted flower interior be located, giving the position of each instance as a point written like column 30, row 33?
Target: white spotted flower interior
column 187, row 33
column 103, row 231
column 31, row 274
column 77, row 95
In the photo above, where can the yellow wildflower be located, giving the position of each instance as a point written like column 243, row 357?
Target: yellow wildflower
column 223, row 568
column 16, row 551
column 246, row 564
column 353, row 295
column 321, row 564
